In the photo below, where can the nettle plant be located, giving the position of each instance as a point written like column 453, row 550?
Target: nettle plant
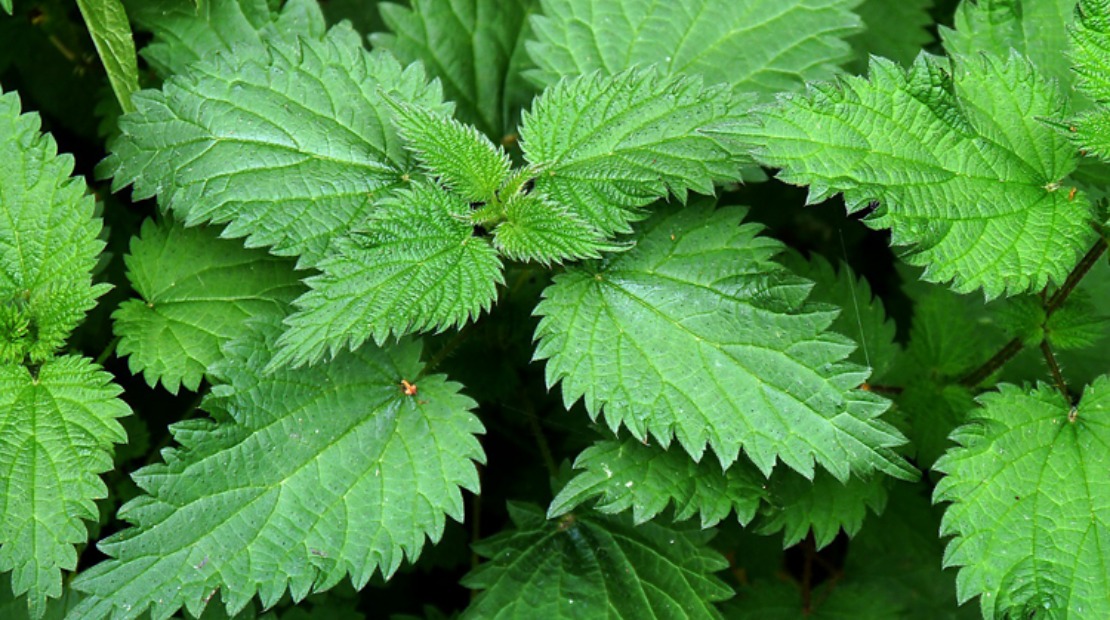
column 526, row 265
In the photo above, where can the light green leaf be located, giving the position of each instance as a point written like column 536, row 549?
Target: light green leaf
column 416, row 267
column 592, row 566
column 894, row 30
column 464, row 160
column 189, row 308
column 48, row 240
column 628, row 474
column 186, row 32
column 696, row 334
column 111, row 34
column 1090, row 39
column 305, row 476
column 245, row 142
column 475, row 47
column 1037, row 29
column 862, row 317
column 1029, row 508
column 6, row 5
column 537, row 229
column 57, row 428
column 961, row 167
column 605, row 146
column 761, row 46
column 824, row 505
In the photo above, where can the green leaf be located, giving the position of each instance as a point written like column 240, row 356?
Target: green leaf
column 894, row 30
column 537, row 229
column 189, row 308
column 304, row 477
column 762, row 46
column 57, row 428
column 696, row 334
column 898, row 555
column 464, row 160
column 592, row 566
column 1028, row 489
column 961, row 168
column 244, row 142
column 48, row 240
column 605, row 146
column 1090, row 40
column 6, row 5
column 825, row 505
column 416, row 267
column 475, row 47
column 862, row 317
column 111, row 33
column 1037, row 30
column 628, row 474
column 186, row 32
column 15, row 607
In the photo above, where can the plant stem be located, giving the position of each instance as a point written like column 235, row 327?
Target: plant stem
column 1053, row 304
column 454, row 343
column 996, row 361
column 1054, row 367
column 1089, row 259
column 107, row 352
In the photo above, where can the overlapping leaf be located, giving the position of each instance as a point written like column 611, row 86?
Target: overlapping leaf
column 695, row 334
column 1030, row 507
column 1090, row 43
column 762, row 46
column 824, row 505
column 57, row 428
column 604, row 146
column 416, row 266
column 290, row 149
column 588, row 566
column 537, row 229
column 862, row 316
column 48, row 240
column 188, row 308
column 475, row 47
column 960, row 165
column 1038, row 30
column 186, row 31
column 628, row 474
column 304, row 477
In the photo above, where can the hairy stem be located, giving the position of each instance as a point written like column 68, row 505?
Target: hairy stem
column 1054, row 367
column 107, row 352
column 1053, row 304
